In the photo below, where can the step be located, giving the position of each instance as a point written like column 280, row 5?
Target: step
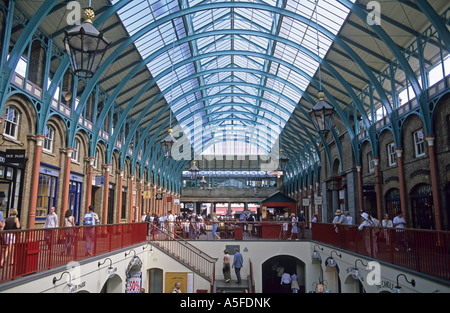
column 232, row 286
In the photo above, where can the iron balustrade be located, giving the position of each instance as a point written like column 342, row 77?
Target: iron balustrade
column 425, row 251
column 184, row 251
column 25, row 252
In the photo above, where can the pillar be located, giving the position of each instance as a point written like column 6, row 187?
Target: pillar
column 141, row 210
column 148, row 198
column 360, row 188
column 378, row 183
column 154, row 199
column 130, row 218
column 401, row 180
column 434, row 181
column 106, row 194
column 89, row 184
column 35, row 181
column 65, row 199
column 119, row 217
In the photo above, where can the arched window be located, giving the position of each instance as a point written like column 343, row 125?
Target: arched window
column 76, row 150
column 96, row 162
column 11, row 122
column 49, row 133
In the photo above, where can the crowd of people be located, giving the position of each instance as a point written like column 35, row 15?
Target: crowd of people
column 372, row 232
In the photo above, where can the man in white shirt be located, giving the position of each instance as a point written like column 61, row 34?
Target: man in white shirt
column 171, row 220
column 51, row 221
column 400, row 235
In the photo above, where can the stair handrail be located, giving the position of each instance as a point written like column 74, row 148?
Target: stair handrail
column 171, row 237
column 186, row 243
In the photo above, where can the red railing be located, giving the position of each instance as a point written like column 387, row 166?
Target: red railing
column 231, row 229
column 425, row 251
column 28, row 251
column 184, row 251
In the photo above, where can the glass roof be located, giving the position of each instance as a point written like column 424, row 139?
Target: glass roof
column 237, row 67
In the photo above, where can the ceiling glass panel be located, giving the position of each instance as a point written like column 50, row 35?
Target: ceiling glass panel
column 294, row 60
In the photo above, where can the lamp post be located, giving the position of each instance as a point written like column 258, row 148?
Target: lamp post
column 322, row 114
column 203, row 182
column 283, row 161
column 398, row 288
column 167, row 144
column 193, row 170
column 85, row 46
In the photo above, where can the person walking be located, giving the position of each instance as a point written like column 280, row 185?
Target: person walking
column 215, row 222
column 294, row 228
column 294, row 283
column 226, row 266
column 400, row 233
column 285, row 283
column 177, row 288
column 237, row 264
column 90, row 219
column 365, row 227
column 387, row 223
column 11, row 223
column 69, row 221
column 51, row 221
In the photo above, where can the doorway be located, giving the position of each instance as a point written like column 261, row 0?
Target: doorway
column 275, row 267
column 111, row 197
column 422, row 212
column 155, row 280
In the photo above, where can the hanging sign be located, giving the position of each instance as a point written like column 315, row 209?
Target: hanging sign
column 134, row 282
column 134, row 275
column 100, row 180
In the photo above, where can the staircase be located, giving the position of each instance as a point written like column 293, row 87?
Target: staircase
column 184, row 252
column 220, row 286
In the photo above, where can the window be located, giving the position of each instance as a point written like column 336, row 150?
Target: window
column 370, row 162
column 49, row 133
column 391, row 154
column 96, row 163
column 76, row 149
column 11, row 122
column 419, row 144
column 46, row 197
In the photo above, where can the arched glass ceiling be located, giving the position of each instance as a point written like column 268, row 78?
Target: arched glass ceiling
column 232, row 84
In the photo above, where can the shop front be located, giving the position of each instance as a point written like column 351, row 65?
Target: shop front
column 12, row 168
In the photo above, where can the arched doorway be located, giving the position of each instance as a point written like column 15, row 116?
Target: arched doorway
column 422, row 213
column 275, row 267
column 114, row 284
column 392, row 201
column 155, row 281
column 353, row 285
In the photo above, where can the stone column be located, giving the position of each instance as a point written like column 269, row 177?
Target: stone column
column 119, row 217
column 434, row 181
column 378, row 183
column 401, row 180
column 35, row 181
column 89, row 184
column 65, row 199
column 106, row 194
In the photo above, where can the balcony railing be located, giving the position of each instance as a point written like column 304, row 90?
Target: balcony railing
column 28, row 251
column 184, row 251
column 425, row 251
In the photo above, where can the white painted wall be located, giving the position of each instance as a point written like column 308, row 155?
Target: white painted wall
column 91, row 278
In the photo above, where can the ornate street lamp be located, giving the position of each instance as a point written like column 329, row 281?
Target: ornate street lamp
column 193, row 170
column 85, row 46
column 283, row 161
column 322, row 114
column 203, row 182
column 167, row 144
